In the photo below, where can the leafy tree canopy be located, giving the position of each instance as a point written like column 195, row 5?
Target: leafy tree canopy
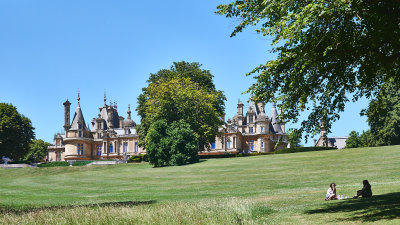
column 383, row 115
column 171, row 144
column 16, row 132
column 354, row 140
column 37, row 150
column 183, row 92
column 326, row 51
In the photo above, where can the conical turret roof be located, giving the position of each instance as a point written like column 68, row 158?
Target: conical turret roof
column 78, row 119
column 274, row 120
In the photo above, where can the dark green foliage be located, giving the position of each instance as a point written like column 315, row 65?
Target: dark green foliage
column 383, row 114
column 326, row 51
column 64, row 163
column 81, row 163
column 303, row 149
column 54, row 164
column 37, row 151
column 16, row 132
column 187, row 92
column 169, row 145
column 135, row 159
column 366, row 139
column 354, row 140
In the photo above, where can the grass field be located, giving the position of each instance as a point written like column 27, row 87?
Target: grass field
column 270, row 189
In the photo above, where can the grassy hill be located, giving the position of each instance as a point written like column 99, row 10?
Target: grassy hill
column 271, row 189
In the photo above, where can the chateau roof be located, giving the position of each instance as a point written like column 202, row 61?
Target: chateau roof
column 78, row 119
column 274, row 120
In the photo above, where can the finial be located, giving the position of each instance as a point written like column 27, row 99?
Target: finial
column 129, row 111
column 105, row 98
column 115, row 104
column 79, row 98
column 110, row 103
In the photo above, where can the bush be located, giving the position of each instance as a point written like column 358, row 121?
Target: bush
column 54, row 164
column 303, row 149
column 20, row 162
column 135, row 159
column 171, row 144
column 81, row 163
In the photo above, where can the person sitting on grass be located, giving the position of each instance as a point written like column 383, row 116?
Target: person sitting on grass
column 331, row 193
column 366, row 191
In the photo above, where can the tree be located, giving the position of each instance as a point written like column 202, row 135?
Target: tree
column 183, row 92
column 354, row 140
column 16, row 132
column 171, row 144
column 293, row 138
column 367, row 139
column 37, row 150
column 383, row 115
column 327, row 51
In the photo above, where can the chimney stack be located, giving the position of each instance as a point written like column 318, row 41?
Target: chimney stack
column 67, row 105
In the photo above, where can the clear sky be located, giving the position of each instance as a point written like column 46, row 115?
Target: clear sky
column 49, row 49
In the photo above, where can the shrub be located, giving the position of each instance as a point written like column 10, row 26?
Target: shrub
column 54, row 164
column 303, row 149
column 81, row 163
column 135, row 159
column 171, row 144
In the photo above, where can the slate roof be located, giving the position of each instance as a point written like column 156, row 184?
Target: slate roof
column 78, row 119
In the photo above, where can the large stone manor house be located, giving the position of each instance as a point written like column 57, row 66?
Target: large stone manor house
column 113, row 137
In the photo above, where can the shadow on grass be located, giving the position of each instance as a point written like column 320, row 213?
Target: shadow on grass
column 378, row 207
column 5, row 209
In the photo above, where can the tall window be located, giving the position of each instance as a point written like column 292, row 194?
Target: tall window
column 80, row 134
column 262, row 129
column 262, row 144
column 125, row 146
column 58, row 156
column 250, row 130
column 136, row 147
column 228, row 143
column 251, row 146
column 110, row 148
column 58, row 142
column 250, row 119
column 80, row 149
column 213, row 145
column 98, row 150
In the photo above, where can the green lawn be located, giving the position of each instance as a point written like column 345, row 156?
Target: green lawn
column 271, row 189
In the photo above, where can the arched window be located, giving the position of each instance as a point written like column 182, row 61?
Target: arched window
column 110, row 148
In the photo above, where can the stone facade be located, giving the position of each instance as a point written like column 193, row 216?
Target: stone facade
column 111, row 136
column 251, row 132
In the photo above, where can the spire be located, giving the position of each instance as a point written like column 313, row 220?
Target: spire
column 79, row 98
column 105, row 97
column 129, row 111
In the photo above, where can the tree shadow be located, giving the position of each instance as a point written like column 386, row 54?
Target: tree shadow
column 378, row 207
column 23, row 210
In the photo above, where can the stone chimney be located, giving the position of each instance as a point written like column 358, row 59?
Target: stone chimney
column 67, row 105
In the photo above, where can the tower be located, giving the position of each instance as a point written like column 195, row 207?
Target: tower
column 67, row 105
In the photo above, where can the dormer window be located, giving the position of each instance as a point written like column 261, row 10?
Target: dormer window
column 250, row 119
column 250, row 130
column 80, row 126
column 80, row 133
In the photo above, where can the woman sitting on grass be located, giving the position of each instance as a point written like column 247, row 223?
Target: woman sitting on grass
column 366, row 191
column 331, row 193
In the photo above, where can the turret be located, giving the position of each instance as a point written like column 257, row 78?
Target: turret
column 67, row 105
column 240, row 108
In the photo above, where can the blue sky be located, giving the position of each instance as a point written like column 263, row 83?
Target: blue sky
column 49, row 49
